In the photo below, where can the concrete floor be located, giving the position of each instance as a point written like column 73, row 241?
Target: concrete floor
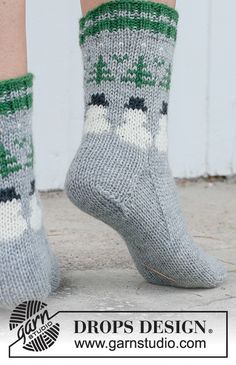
column 97, row 272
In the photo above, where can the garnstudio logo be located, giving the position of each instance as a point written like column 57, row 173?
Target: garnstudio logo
column 34, row 327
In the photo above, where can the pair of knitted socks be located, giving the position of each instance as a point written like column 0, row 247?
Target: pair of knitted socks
column 120, row 173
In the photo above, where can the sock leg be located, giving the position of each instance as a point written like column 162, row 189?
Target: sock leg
column 121, row 174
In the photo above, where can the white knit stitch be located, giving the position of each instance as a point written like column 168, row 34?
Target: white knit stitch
column 36, row 214
column 152, row 17
column 161, row 140
column 16, row 94
column 133, row 129
column 96, row 120
column 12, row 220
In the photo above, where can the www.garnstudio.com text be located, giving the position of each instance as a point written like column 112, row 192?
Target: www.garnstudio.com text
column 143, row 327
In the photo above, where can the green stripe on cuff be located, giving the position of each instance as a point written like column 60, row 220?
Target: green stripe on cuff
column 129, row 23
column 134, row 7
column 10, row 107
column 7, row 86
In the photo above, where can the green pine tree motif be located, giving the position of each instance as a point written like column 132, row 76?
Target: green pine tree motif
column 30, row 156
column 100, row 72
column 29, row 149
column 166, row 81
column 139, row 74
column 120, row 59
column 8, row 163
column 159, row 62
column 20, row 143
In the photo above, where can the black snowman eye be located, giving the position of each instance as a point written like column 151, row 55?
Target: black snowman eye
column 164, row 109
column 99, row 99
column 8, row 194
column 136, row 103
column 32, row 187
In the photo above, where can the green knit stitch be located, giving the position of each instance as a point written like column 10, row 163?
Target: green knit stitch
column 166, row 81
column 20, row 143
column 100, row 72
column 128, row 23
column 130, row 6
column 27, row 146
column 139, row 74
column 120, row 59
column 8, row 163
column 9, row 107
column 30, row 156
column 16, row 84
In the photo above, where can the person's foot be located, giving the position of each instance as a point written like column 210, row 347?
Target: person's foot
column 28, row 268
column 121, row 174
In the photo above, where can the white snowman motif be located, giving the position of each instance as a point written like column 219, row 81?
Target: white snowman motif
column 161, row 140
column 36, row 214
column 96, row 120
column 11, row 217
column 36, row 220
column 133, row 129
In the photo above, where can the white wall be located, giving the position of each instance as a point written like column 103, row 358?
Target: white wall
column 203, row 99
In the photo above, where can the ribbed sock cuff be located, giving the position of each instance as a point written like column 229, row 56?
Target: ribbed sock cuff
column 135, row 15
column 16, row 94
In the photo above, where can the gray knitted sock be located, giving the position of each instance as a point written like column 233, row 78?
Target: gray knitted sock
column 28, row 268
column 121, row 174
